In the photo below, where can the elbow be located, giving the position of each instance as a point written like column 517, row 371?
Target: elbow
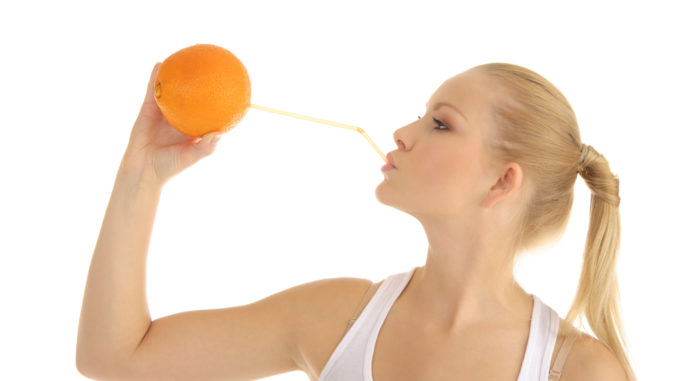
column 88, row 366
column 85, row 361
column 82, row 364
column 86, row 370
column 99, row 374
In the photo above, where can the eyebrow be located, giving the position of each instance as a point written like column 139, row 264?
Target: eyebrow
column 437, row 105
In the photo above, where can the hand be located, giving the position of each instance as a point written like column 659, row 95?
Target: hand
column 157, row 149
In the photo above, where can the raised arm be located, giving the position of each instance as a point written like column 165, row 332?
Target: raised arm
column 118, row 341
column 295, row 329
column 114, row 315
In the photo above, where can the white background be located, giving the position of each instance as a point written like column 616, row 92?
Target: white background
column 283, row 201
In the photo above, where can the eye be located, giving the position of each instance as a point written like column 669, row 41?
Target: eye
column 439, row 123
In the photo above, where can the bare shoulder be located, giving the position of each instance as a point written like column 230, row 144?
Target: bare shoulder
column 330, row 295
column 322, row 309
column 590, row 359
column 331, row 299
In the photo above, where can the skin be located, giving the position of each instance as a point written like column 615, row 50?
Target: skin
column 464, row 201
column 463, row 313
column 472, row 324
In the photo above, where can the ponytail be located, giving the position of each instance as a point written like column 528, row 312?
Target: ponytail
column 597, row 294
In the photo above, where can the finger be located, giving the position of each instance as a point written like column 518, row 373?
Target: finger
column 200, row 148
column 211, row 138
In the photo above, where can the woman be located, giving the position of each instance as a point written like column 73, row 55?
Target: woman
column 489, row 172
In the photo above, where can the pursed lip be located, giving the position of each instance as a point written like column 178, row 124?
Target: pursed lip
column 390, row 159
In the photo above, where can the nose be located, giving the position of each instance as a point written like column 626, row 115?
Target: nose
column 400, row 133
column 396, row 137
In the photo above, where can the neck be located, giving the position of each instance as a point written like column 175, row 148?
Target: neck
column 467, row 280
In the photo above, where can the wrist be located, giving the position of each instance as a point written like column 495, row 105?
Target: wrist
column 138, row 176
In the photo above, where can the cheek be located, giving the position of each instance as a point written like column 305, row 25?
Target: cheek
column 449, row 171
column 444, row 159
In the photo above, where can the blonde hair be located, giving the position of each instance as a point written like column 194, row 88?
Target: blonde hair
column 536, row 128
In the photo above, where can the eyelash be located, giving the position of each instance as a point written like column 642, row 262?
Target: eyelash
column 439, row 123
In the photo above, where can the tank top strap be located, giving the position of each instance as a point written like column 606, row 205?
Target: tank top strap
column 559, row 362
column 362, row 305
column 351, row 358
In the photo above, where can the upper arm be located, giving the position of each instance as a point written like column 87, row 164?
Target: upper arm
column 590, row 359
column 236, row 343
column 246, row 342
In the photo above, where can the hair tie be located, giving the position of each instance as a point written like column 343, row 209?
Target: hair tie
column 584, row 152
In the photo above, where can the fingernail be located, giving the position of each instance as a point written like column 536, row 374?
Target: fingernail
column 212, row 137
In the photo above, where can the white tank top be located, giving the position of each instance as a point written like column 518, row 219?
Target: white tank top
column 352, row 358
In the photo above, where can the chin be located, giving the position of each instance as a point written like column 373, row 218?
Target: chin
column 384, row 196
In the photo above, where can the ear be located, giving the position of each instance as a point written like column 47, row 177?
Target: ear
column 507, row 185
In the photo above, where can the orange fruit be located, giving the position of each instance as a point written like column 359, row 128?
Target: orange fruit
column 201, row 89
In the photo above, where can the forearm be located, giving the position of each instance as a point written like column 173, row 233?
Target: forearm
column 115, row 315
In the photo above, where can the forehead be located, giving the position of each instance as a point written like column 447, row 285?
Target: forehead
column 471, row 92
